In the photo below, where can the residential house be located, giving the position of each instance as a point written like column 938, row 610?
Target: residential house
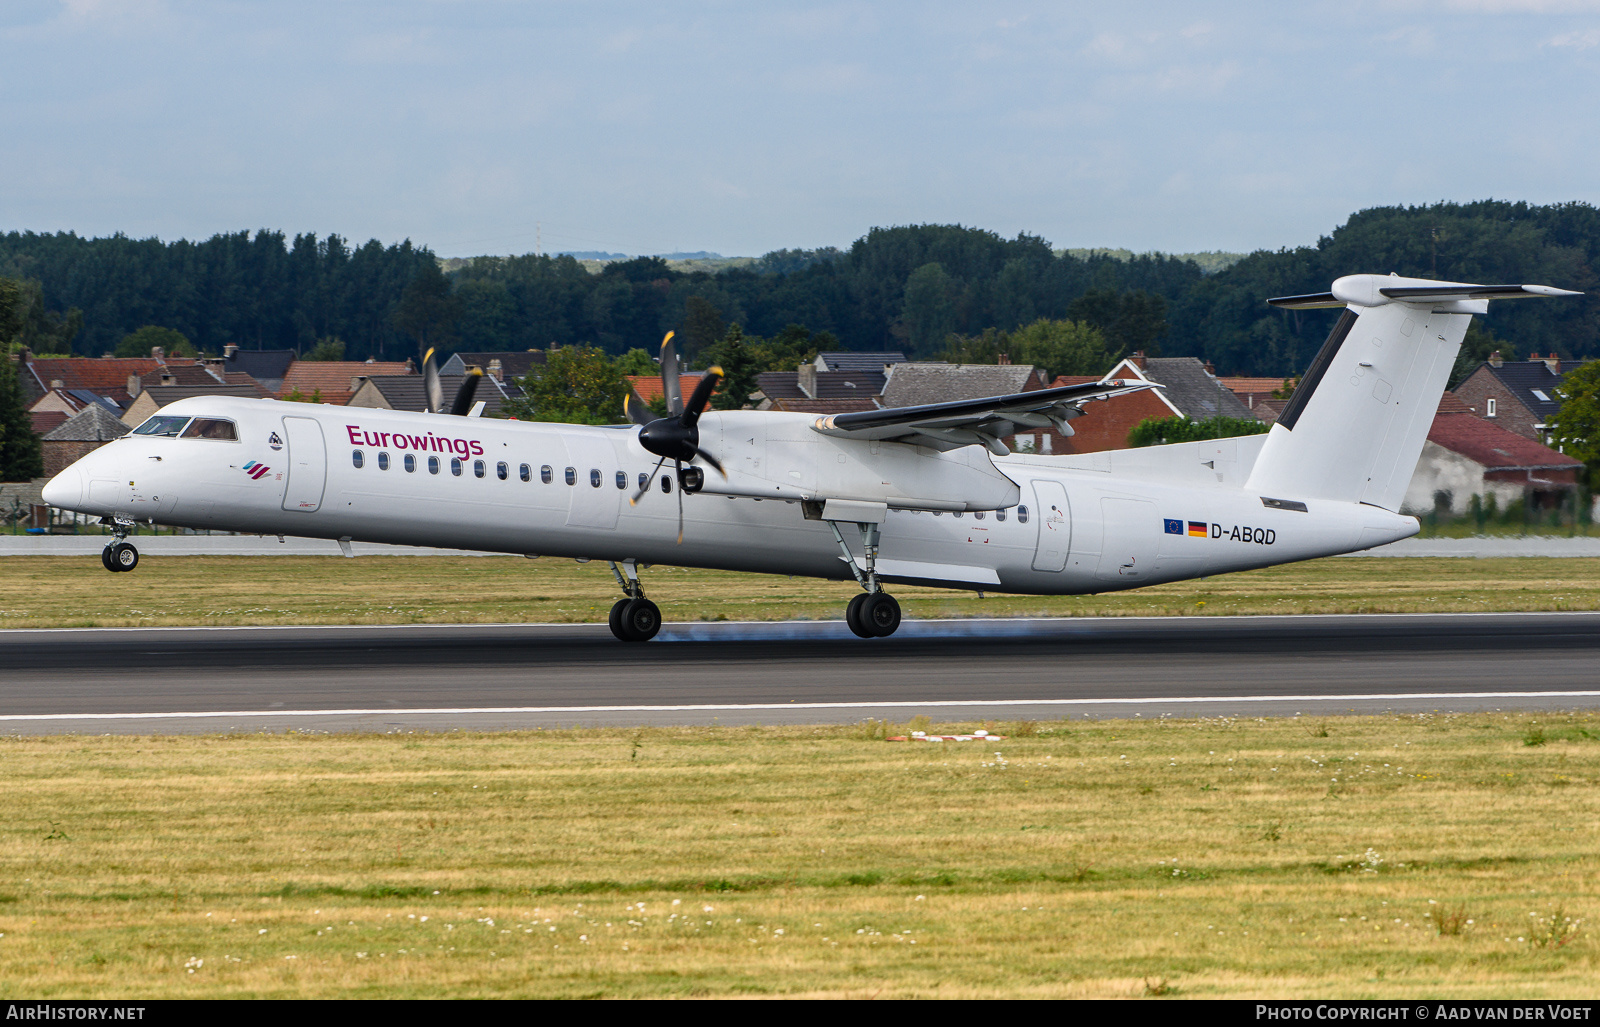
column 1518, row 395
column 648, row 387
column 267, row 366
column 334, row 381
column 1257, row 394
column 409, row 392
column 78, row 436
column 1467, row 455
column 500, row 366
column 156, row 397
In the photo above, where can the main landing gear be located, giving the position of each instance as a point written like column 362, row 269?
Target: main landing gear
column 633, row 618
column 120, row 555
column 875, row 613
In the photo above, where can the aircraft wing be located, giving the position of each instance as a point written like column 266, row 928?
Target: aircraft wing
column 983, row 422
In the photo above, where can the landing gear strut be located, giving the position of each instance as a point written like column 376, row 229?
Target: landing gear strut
column 633, row 617
column 119, row 554
column 875, row 613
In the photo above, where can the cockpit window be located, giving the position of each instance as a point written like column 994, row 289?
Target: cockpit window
column 211, row 428
column 164, row 425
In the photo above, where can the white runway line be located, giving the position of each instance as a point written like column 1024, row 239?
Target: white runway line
column 750, row 707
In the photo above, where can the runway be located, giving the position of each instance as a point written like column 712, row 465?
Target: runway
column 443, row 677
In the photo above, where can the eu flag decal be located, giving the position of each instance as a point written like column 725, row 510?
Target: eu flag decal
column 1174, row 527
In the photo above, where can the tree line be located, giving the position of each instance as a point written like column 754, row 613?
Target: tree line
column 925, row 290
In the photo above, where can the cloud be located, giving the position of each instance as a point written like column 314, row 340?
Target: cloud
column 1576, row 40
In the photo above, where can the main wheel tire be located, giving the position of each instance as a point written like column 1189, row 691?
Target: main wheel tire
column 853, row 618
column 641, row 619
column 881, row 614
column 124, row 557
column 105, row 558
column 616, row 619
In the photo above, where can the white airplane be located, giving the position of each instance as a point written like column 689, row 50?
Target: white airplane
column 924, row 495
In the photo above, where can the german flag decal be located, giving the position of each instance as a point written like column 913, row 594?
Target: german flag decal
column 1197, row 529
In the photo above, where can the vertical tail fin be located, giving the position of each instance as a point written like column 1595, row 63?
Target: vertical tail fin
column 1355, row 427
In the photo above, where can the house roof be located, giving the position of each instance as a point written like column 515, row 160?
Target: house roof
column 332, row 377
column 858, row 362
column 44, row 421
column 913, row 384
column 261, row 364
column 648, row 386
column 93, row 423
column 1487, row 443
column 104, row 376
column 803, row 405
column 848, row 384
column 513, row 363
column 1188, row 388
column 1250, row 385
column 1526, row 380
column 409, row 391
column 181, row 374
column 162, row 395
column 776, row 385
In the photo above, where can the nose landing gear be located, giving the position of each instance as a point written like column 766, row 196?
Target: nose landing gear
column 119, row 554
column 633, row 617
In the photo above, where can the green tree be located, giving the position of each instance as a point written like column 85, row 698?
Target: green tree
column 702, row 325
column 790, row 348
column 142, row 342
column 1475, row 349
column 576, row 385
column 41, row 330
column 1130, row 321
column 637, row 361
column 21, row 457
column 428, row 311
column 1165, row 431
column 1059, row 347
column 740, row 367
column 928, row 314
column 1575, row 428
column 329, row 347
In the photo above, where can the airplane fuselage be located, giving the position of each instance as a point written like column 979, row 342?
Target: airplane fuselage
column 1032, row 525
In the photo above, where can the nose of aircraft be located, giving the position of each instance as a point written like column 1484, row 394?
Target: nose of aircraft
column 65, row 490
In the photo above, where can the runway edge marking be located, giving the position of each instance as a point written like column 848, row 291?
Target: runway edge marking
column 739, row 707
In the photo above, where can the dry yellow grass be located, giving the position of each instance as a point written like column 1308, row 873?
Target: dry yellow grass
column 42, row 592
column 1200, row 858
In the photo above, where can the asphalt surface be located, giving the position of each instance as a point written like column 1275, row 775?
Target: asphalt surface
column 439, row 677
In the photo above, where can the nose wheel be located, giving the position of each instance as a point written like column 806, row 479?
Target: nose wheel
column 120, row 556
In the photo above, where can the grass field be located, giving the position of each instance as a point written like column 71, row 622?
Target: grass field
column 46, row 592
column 1398, row 856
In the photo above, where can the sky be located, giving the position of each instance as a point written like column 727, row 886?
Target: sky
column 490, row 126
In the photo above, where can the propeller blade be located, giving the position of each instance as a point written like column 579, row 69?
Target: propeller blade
column 669, row 376
column 677, row 465
column 708, row 458
column 702, row 396
column 469, row 388
column 638, row 412
column 432, row 391
column 647, row 483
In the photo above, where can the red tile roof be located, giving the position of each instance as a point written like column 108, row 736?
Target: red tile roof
column 1491, row 445
column 1256, row 385
column 100, row 375
column 332, row 377
column 648, row 386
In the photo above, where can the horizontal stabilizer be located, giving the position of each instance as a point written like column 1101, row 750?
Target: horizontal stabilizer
column 1376, row 290
column 968, row 422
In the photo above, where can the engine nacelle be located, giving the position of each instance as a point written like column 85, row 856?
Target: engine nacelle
column 777, row 456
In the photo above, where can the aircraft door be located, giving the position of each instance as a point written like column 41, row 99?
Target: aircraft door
column 1130, row 539
column 308, row 464
column 1055, row 526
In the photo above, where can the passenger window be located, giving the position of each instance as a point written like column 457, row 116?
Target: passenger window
column 956, row 514
column 502, row 471
column 546, row 473
column 433, row 465
column 411, row 463
column 357, row 457
column 572, row 476
column 167, row 425
column 455, row 466
column 594, row 476
column 1022, row 515
column 979, row 515
column 477, row 468
column 999, row 515
column 383, row 461
column 666, row 483
column 644, row 479
column 622, row 479
column 211, row 428
column 526, row 472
